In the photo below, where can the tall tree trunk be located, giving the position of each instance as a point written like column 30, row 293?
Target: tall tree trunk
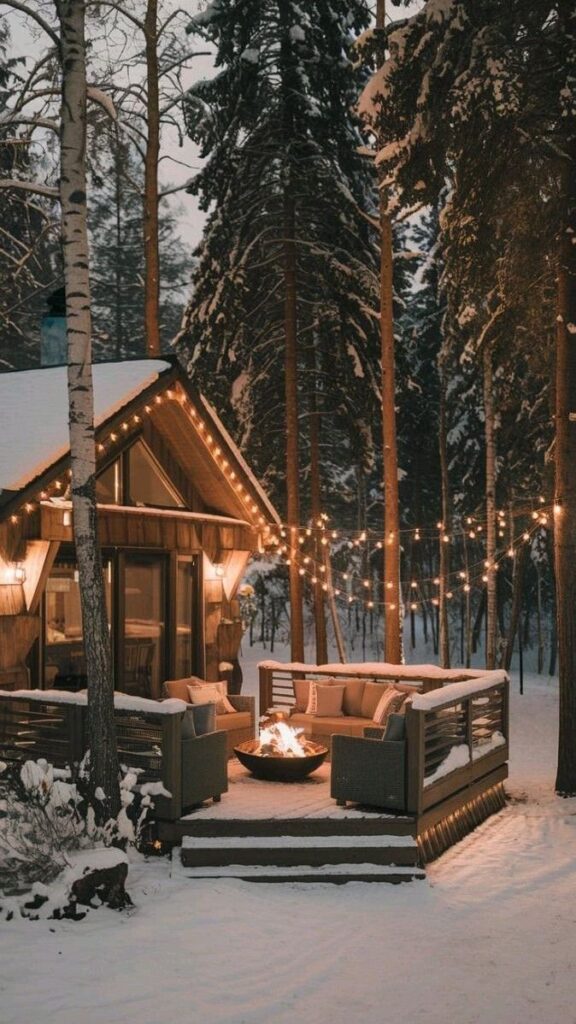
column 316, row 510
column 292, row 428
column 289, row 86
column 444, row 638
column 491, row 622
column 101, row 731
column 517, row 585
column 151, row 250
column 392, row 596
column 118, row 262
column 565, row 455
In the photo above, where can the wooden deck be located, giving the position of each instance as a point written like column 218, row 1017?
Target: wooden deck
column 293, row 832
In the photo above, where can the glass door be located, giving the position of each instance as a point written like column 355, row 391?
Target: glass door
column 144, row 624
column 186, row 657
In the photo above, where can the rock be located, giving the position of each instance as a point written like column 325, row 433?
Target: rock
column 102, row 885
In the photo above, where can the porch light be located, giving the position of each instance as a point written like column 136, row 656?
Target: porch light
column 13, row 573
column 218, row 570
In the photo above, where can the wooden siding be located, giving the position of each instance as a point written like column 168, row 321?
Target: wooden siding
column 121, row 527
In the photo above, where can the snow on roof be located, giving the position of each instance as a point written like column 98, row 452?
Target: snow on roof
column 34, row 412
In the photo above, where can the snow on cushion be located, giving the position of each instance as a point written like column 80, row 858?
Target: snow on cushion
column 211, row 693
column 325, row 701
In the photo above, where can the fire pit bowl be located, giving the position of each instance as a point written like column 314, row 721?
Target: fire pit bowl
column 280, row 768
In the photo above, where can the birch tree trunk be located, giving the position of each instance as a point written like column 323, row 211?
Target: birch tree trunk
column 392, row 599
column 101, row 731
column 151, row 250
column 490, row 508
column 565, row 487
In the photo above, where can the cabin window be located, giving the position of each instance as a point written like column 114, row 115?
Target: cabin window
column 144, row 625
column 136, row 478
column 64, row 662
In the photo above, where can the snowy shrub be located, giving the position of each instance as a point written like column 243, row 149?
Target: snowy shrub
column 46, row 818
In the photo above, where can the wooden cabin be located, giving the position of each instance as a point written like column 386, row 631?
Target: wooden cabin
column 179, row 514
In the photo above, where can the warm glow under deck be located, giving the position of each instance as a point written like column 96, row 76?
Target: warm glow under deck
column 251, row 799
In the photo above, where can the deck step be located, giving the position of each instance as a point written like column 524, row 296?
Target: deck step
column 392, row 825
column 297, row 851
column 336, row 874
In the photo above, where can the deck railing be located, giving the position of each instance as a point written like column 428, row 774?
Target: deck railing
column 456, row 737
column 277, row 686
column 53, row 725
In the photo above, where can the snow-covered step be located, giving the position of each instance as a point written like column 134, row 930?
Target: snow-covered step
column 337, row 874
column 383, row 824
column 290, row 850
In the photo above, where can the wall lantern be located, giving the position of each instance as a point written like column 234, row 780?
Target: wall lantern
column 13, row 573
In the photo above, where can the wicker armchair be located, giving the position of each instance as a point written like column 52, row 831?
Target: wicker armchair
column 238, row 727
column 369, row 770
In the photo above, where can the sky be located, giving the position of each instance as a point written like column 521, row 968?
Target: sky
column 180, row 157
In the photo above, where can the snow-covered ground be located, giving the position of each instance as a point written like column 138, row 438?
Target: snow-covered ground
column 489, row 937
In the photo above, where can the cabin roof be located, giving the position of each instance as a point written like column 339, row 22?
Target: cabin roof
column 34, row 431
column 34, row 412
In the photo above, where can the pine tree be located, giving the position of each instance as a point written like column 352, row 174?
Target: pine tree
column 117, row 248
column 288, row 259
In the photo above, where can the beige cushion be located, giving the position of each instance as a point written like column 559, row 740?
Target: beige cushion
column 344, row 725
column 390, row 702
column 325, row 701
column 233, row 720
column 353, row 693
column 178, row 688
column 301, row 693
column 371, row 697
column 211, row 693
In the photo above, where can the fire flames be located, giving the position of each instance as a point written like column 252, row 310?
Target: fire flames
column 280, row 740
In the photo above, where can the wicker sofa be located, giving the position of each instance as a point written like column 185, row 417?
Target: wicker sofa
column 361, row 697
column 238, row 726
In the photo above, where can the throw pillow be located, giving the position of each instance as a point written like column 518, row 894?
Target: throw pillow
column 211, row 693
column 391, row 700
column 204, row 716
column 395, row 727
column 371, row 697
column 188, row 727
column 302, row 691
column 353, row 693
column 325, row 700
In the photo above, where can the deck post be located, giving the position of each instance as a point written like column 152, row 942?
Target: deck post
column 172, row 763
column 266, row 689
column 414, row 760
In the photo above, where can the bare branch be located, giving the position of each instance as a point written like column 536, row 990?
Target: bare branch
column 34, row 187
column 105, row 101
column 118, row 7
column 36, row 122
column 36, row 17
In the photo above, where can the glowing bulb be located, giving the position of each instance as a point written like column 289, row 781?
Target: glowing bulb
column 413, row 607
column 466, row 588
